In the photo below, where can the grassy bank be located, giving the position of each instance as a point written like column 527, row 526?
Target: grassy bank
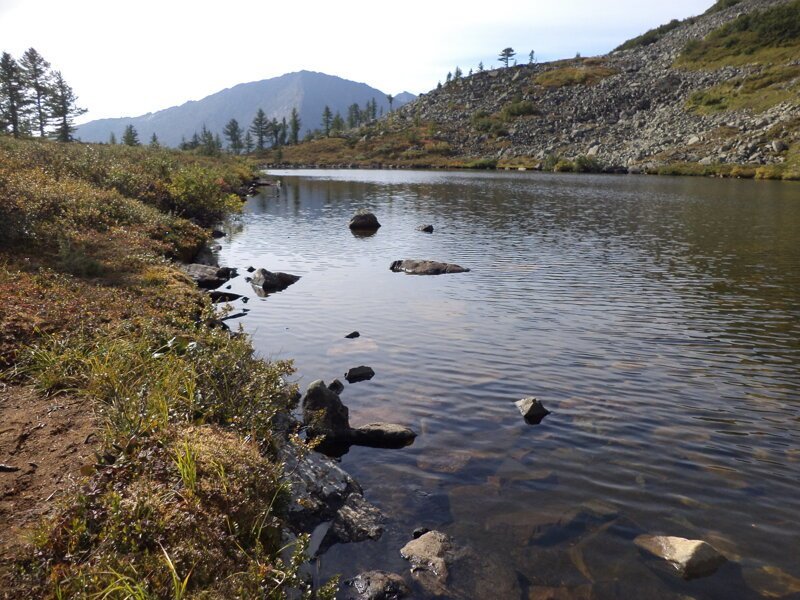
column 184, row 498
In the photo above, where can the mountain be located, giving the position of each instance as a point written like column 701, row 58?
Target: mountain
column 714, row 94
column 307, row 91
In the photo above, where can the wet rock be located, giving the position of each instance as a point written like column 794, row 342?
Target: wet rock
column 218, row 296
column 272, row 282
column 425, row 267
column 383, row 435
column 353, row 335
column 250, row 269
column 430, row 556
column 378, row 585
column 419, row 532
column 691, row 558
column 532, row 410
column 323, row 412
column 204, row 276
column 357, row 374
column 364, row 221
column 425, row 228
column 227, row 272
column 217, row 233
column 336, row 386
column 323, row 492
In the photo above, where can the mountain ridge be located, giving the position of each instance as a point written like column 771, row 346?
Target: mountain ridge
column 308, row 91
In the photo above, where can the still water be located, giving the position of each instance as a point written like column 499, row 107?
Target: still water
column 657, row 318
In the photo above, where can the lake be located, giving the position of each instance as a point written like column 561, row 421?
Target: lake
column 657, row 318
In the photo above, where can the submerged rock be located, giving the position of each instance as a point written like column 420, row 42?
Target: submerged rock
column 425, row 267
column 532, row 410
column 691, row 558
column 364, row 221
column 361, row 373
column 430, row 556
column 378, row 585
column 272, row 282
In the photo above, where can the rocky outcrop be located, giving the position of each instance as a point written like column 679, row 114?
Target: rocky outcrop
column 425, row 267
column 324, row 414
column 207, row 277
column 691, row 558
column 364, row 221
column 269, row 282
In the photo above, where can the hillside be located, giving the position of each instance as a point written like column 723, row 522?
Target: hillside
column 698, row 96
column 307, row 91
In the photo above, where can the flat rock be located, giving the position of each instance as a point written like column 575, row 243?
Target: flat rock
column 204, row 276
column 383, row 435
column 272, row 282
column 691, row 558
column 425, row 267
column 378, row 585
column 220, row 296
column 532, row 410
column 364, row 220
column 361, row 373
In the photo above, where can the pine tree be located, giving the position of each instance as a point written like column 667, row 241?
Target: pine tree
column 259, row 129
column 337, row 124
column 294, row 127
column 449, row 78
column 480, row 67
column 37, row 78
column 63, row 108
column 233, row 133
column 275, row 132
column 12, row 95
column 248, row 142
column 130, row 137
column 531, row 57
column 112, row 139
column 284, row 132
column 327, row 118
column 457, row 73
column 353, row 116
column 154, row 143
column 506, row 54
column 390, row 99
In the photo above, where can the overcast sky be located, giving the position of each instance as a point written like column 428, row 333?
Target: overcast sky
column 127, row 58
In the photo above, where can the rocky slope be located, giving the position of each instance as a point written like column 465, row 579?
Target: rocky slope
column 635, row 109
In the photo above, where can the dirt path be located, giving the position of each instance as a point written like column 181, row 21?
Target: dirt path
column 48, row 440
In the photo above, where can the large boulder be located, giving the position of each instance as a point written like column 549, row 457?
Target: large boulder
column 425, row 267
column 691, row 558
column 361, row 373
column 324, row 414
column 364, row 221
column 272, row 282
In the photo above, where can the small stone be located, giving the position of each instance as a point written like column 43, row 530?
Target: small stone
column 353, row 335
column 4, row 468
column 217, row 233
column 336, row 386
column 357, row 374
column 364, row 220
column 691, row 558
column 379, row 585
column 779, row 146
column 425, row 228
column 250, row 269
column 532, row 410
column 273, row 282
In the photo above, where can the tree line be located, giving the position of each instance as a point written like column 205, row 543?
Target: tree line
column 35, row 100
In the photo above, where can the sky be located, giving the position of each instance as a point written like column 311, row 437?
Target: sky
column 125, row 58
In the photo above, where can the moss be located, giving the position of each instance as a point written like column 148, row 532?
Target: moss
column 584, row 74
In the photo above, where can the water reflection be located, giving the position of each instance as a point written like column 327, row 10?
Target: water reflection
column 659, row 319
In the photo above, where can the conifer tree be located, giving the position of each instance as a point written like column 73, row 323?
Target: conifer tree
column 457, row 73
column 390, row 99
column 248, row 142
column 130, row 136
column 63, row 108
column 327, row 118
column 480, row 67
column 37, row 78
column 275, row 132
column 337, row 124
column 294, row 126
column 506, row 54
column 284, row 132
column 112, row 139
column 233, row 133
column 12, row 95
column 154, row 143
column 260, row 129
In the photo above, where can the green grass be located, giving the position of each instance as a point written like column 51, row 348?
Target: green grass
column 757, row 92
column 769, row 36
column 585, row 74
column 721, row 5
column 650, row 37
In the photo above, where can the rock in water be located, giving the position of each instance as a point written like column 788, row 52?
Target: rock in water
column 324, row 413
column 353, row 335
column 206, row 277
column 691, row 558
column 425, row 228
column 532, row 410
column 336, row 386
column 425, row 267
column 273, row 282
column 430, row 555
column 361, row 373
column 379, row 585
column 364, row 221
column 383, row 435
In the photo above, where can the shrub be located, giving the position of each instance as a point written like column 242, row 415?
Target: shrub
column 197, row 193
column 519, row 108
column 651, row 36
column 581, row 75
